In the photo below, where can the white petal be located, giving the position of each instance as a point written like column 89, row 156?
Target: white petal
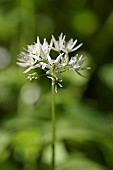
column 53, row 39
column 37, row 65
column 38, row 40
column 23, row 64
column 69, row 43
column 49, row 59
column 43, row 55
column 30, row 68
column 56, row 44
column 58, row 58
column 74, row 43
column 21, row 59
column 77, row 47
column 61, row 35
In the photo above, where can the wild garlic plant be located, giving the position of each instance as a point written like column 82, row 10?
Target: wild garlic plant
column 38, row 56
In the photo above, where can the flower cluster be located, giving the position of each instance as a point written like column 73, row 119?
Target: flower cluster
column 38, row 56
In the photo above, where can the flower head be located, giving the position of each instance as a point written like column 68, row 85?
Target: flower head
column 38, row 55
column 62, row 45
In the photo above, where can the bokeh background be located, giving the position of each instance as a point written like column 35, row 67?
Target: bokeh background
column 84, row 106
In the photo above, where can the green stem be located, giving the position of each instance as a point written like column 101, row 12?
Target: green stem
column 53, row 124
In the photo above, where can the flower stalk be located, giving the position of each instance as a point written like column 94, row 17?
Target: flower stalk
column 53, row 123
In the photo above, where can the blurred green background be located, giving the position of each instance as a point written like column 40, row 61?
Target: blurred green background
column 84, row 106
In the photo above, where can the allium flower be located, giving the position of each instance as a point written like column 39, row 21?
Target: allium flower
column 38, row 55
column 62, row 45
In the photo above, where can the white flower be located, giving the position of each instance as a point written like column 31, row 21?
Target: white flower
column 53, row 66
column 62, row 45
column 70, row 46
column 58, row 45
column 26, row 60
column 38, row 55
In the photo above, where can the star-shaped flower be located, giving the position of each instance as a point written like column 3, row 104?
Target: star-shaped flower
column 38, row 55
